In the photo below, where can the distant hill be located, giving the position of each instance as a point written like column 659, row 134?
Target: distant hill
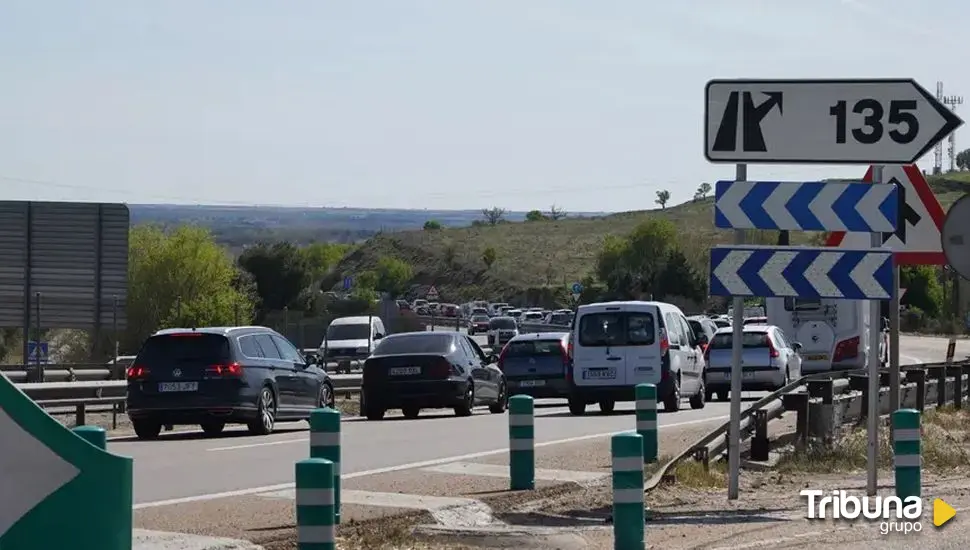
column 237, row 226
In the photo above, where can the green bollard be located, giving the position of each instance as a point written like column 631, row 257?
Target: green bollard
column 522, row 454
column 907, row 448
column 325, row 443
column 646, row 396
column 94, row 435
column 629, row 515
column 315, row 504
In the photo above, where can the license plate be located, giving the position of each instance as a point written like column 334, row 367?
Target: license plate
column 177, row 386
column 532, row 383
column 404, row 371
column 747, row 375
column 817, row 357
column 600, row 374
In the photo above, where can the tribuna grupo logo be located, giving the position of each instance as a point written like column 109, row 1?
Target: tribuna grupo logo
column 895, row 515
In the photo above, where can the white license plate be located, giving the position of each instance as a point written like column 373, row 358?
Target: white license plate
column 532, row 383
column 177, row 386
column 817, row 357
column 603, row 374
column 404, row 371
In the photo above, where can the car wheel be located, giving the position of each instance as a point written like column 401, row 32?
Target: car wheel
column 465, row 407
column 502, row 402
column 327, row 397
column 374, row 413
column 723, row 395
column 672, row 402
column 147, row 429
column 411, row 411
column 577, row 407
column 213, row 428
column 607, row 406
column 699, row 399
column 265, row 413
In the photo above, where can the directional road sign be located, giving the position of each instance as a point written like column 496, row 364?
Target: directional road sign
column 577, row 288
column 822, row 121
column 801, row 272
column 916, row 240
column 956, row 236
column 348, row 282
column 805, row 206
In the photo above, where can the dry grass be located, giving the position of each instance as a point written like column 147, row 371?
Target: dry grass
column 548, row 253
column 691, row 474
column 945, row 438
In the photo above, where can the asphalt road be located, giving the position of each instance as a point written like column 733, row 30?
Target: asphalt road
column 188, row 466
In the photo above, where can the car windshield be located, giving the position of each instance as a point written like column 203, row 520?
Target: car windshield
column 357, row 331
column 185, row 348
column 523, row 348
column 748, row 340
column 617, row 329
column 503, row 323
column 416, row 342
column 480, row 318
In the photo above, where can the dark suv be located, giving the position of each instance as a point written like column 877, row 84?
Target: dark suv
column 219, row 375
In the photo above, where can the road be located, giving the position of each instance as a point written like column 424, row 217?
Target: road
column 186, row 467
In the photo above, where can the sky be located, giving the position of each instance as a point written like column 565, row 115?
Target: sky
column 588, row 105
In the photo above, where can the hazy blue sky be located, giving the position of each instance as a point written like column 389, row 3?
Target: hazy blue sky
column 592, row 105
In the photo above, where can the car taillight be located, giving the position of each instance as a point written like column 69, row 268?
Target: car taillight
column 664, row 342
column 231, row 369
column 501, row 358
column 846, row 349
column 442, row 368
column 707, row 353
column 136, row 371
column 772, row 352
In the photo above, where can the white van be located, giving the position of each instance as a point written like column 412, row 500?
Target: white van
column 350, row 339
column 834, row 334
column 617, row 345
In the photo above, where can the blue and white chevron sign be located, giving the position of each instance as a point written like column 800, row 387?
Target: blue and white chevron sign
column 806, row 206
column 801, row 272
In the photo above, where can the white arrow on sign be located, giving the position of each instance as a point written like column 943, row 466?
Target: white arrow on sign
column 29, row 472
column 878, row 121
column 727, row 272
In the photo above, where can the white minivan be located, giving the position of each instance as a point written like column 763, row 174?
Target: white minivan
column 617, row 345
column 350, row 339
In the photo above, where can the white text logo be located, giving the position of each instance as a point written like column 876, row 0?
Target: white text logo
column 894, row 514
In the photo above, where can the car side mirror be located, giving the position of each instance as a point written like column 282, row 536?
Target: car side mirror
column 797, row 346
column 702, row 340
column 492, row 358
column 378, row 336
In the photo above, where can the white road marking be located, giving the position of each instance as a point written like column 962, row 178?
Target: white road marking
column 497, row 470
column 398, row 468
column 386, row 500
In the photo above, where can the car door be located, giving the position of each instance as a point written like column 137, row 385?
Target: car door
column 486, row 388
column 693, row 352
column 306, row 383
column 282, row 373
column 679, row 356
column 792, row 358
column 642, row 350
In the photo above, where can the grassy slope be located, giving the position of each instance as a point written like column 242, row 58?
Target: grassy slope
column 549, row 253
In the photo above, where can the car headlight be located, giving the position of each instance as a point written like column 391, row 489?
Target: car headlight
column 363, row 350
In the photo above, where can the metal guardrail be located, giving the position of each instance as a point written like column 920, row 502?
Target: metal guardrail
column 845, row 391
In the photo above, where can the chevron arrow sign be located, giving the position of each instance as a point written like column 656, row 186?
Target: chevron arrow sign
column 801, row 272
column 806, row 206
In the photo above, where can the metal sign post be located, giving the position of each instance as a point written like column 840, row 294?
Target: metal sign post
column 811, row 122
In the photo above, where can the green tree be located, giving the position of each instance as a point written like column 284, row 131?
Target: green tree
column 923, row 289
column 963, row 160
column 281, row 274
column 432, row 225
column 365, row 286
column 489, row 256
column 393, row 276
column 493, row 215
column 320, row 258
column 556, row 213
column 182, row 278
column 702, row 191
column 663, row 197
column 534, row 216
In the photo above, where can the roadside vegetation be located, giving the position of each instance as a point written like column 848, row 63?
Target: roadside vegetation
column 946, row 448
column 184, row 275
